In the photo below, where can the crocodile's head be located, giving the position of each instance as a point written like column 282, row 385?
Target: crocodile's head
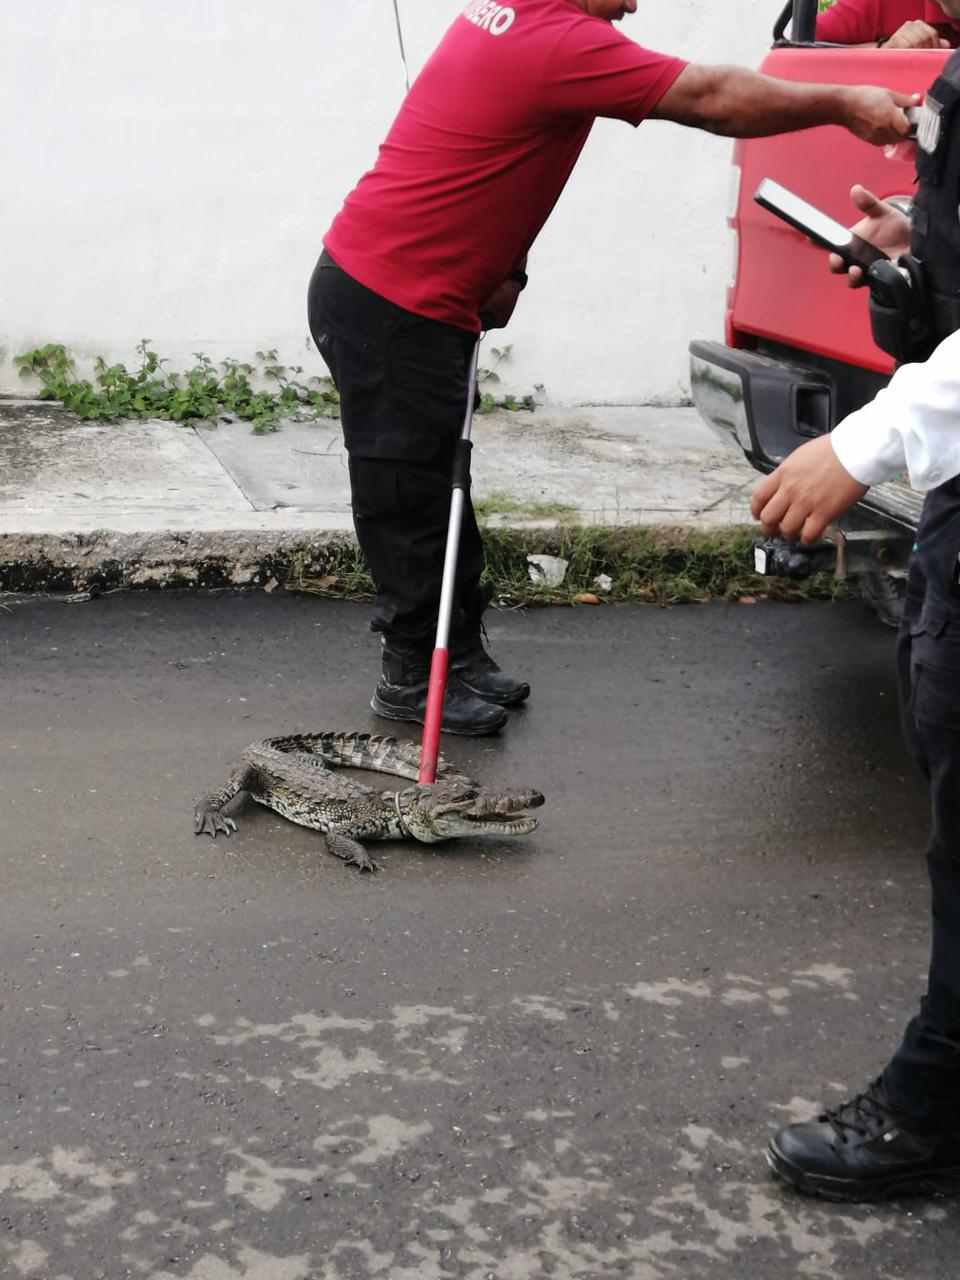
column 442, row 810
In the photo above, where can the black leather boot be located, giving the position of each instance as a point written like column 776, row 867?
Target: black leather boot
column 478, row 671
column 866, row 1150
column 401, row 694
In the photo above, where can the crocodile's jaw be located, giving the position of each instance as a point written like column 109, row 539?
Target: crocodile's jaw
column 449, row 826
column 457, row 825
column 431, row 814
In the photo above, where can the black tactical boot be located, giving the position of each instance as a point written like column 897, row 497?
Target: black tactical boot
column 865, row 1149
column 478, row 671
column 401, row 694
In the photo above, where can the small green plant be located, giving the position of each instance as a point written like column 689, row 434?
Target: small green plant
column 488, row 401
column 499, row 503
column 262, row 394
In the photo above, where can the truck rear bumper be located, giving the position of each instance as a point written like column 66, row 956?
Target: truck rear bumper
column 767, row 407
column 763, row 406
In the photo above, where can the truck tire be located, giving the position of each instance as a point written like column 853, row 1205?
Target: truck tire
column 885, row 593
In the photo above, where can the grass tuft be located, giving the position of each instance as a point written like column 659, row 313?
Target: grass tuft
column 653, row 565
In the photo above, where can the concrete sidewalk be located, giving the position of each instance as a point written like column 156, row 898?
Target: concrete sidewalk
column 156, row 503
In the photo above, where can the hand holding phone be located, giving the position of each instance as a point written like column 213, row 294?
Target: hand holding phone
column 816, row 225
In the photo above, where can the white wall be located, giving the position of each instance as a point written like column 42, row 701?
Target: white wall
column 169, row 169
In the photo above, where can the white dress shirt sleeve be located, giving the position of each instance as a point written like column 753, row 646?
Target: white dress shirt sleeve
column 913, row 424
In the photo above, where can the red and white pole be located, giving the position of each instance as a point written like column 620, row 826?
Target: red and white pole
column 440, row 662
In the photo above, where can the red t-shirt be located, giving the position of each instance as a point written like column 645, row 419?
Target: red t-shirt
column 867, row 21
column 483, row 146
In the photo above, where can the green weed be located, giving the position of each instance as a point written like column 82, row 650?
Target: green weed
column 658, row 566
column 262, row 394
column 487, row 375
column 499, row 503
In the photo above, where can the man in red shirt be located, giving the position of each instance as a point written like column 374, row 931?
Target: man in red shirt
column 892, row 24
column 431, row 246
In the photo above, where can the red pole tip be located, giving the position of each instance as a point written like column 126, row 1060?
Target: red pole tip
column 433, row 719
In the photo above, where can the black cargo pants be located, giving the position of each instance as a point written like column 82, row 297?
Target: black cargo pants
column 403, row 382
column 924, row 1074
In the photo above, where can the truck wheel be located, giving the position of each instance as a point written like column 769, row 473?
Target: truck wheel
column 884, row 593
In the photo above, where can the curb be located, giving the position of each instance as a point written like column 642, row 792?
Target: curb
column 104, row 560
column 598, row 564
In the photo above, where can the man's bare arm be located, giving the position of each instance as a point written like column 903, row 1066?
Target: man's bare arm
column 738, row 103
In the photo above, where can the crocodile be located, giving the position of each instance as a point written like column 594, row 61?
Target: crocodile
column 298, row 776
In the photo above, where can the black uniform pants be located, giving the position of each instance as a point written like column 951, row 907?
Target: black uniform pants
column 924, row 1074
column 403, row 384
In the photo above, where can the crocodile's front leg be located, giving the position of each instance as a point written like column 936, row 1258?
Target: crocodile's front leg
column 351, row 851
column 209, row 816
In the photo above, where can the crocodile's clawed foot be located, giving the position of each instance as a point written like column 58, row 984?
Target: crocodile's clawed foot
column 349, row 851
column 210, row 821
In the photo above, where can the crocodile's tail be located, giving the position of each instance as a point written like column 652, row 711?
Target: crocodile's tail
column 375, row 751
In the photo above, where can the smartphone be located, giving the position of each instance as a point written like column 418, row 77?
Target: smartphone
column 816, row 225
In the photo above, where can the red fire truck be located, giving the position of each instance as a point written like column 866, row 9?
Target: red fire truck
column 798, row 353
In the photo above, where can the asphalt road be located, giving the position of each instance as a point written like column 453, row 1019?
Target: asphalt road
column 559, row 1056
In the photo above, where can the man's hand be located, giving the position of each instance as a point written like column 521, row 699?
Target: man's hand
column 882, row 225
column 499, row 307
column 916, row 35
column 877, row 115
column 806, row 492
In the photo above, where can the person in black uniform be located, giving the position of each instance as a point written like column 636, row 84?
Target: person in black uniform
column 902, row 1134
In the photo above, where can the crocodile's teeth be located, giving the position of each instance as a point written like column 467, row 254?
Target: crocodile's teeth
column 505, row 826
column 508, row 815
column 516, row 827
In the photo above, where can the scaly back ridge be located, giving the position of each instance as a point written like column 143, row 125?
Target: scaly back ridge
column 377, row 752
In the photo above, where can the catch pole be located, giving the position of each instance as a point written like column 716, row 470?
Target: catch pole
column 440, row 662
